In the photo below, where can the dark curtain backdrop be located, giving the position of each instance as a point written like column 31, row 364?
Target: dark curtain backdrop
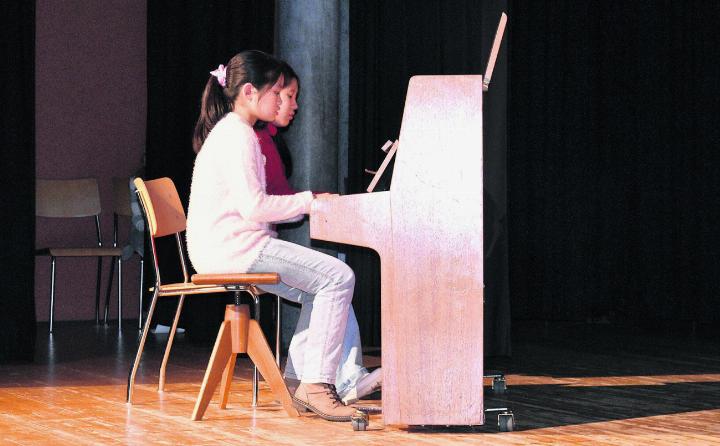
column 613, row 161
column 17, row 179
column 185, row 42
column 391, row 41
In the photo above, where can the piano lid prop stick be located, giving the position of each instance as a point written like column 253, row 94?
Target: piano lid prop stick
column 494, row 52
column 384, row 165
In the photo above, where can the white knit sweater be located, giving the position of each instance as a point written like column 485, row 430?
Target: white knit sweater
column 230, row 215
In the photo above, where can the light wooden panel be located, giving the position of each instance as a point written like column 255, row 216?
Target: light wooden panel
column 361, row 219
column 435, row 323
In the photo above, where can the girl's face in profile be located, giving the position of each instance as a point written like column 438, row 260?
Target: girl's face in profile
column 288, row 96
column 268, row 103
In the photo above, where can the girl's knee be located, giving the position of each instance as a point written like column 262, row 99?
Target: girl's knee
column 346, row 276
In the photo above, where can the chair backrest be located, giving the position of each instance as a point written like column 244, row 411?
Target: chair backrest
column 121, row 196
column 67, row 198
column 163, row 209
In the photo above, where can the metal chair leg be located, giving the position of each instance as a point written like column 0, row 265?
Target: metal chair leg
column 278, row 309
column 97, row 291
column 109, row 291
column 256, row 375
column 52, row 292
column 168, row 347
column 138, row 355
column 119, row 260
column 140, row 303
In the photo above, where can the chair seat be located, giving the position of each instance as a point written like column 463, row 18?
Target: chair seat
column 174, row 289
column 79, row 252
column 216, row 283
column 236, row 279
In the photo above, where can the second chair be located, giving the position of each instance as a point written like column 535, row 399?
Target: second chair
column 75, row 198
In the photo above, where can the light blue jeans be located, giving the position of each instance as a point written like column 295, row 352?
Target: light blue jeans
column 326, row 344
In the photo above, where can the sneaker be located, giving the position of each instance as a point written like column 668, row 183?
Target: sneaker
column 365, row 386
column 322, row 399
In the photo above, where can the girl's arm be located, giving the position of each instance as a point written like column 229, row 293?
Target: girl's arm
column 240, row 165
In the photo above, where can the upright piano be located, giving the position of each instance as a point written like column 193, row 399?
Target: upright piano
column 428, row 232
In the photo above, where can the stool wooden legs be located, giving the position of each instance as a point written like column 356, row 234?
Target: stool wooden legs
column 240, row 334
column 260, row 353
column 227, row 380
column 220, row 356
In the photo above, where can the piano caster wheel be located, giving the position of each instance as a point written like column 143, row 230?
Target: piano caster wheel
column 499, row 386
column 360, row 421
column 506, row 422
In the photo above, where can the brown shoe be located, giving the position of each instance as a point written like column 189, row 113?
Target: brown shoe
column 322, row 399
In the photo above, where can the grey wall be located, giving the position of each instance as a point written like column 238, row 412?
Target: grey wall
column 90, row 122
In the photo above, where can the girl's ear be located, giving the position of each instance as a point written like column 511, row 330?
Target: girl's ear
column 248, row 91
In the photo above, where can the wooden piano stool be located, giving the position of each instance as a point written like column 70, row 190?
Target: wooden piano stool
column 238, row 334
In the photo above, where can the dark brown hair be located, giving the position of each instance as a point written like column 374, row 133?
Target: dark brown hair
column 288, row 73
column 256, row 67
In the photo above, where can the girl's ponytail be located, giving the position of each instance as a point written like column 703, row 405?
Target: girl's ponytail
column 213, row 106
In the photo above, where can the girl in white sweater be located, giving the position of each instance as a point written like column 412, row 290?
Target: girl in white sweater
column 230, row 217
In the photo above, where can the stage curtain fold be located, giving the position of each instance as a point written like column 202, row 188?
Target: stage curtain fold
column 17, row 179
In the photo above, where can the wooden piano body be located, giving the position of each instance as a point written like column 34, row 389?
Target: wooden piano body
column 428, row 232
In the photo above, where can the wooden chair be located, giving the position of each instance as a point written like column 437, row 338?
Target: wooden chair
column 121, row 208
column 76, row 198
column 165, row 216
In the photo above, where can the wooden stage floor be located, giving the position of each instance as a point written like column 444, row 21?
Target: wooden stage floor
column 582, row 384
